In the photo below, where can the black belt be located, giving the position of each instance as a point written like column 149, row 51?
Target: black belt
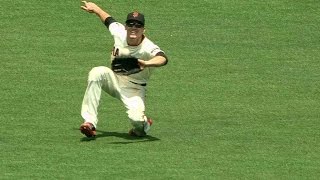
column 143, row 84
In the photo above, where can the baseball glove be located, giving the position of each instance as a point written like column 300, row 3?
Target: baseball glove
column 125, row 65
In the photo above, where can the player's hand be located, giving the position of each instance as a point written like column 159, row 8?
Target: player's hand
column 90, row 7
column 142, row 64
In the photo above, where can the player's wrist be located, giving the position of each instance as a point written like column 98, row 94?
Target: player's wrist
column 147, row 64
column 97, row 10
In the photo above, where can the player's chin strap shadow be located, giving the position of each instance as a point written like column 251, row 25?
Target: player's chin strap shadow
column 126, row 136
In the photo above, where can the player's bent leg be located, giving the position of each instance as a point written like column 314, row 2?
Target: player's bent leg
column 92, row 96
column 133, row 98
column 99, row 78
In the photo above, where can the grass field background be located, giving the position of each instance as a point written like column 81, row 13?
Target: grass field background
column 239, row 98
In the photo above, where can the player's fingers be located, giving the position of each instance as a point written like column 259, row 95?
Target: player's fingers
column 84, row 2
column 84, row 8
column 141, row 61
column 141, row 64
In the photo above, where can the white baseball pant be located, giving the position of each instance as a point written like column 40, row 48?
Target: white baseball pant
column 132, row 95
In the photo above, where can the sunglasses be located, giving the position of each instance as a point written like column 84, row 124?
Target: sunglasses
column 134, row 24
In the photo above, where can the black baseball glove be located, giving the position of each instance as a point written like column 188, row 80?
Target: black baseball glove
column 125, row 65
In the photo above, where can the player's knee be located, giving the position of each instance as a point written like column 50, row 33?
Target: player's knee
column 97, row 73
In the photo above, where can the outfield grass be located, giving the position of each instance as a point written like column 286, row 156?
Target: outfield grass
column 239, row 98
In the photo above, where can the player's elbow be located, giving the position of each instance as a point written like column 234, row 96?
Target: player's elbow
column 165, row 62
column 164, row 58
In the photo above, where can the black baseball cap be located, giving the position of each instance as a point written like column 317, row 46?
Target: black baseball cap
column 135, row 16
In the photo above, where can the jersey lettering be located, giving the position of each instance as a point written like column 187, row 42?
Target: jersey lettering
column 115, row 51
column 156, row 49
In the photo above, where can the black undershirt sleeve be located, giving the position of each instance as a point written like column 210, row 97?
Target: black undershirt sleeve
column 108, row 21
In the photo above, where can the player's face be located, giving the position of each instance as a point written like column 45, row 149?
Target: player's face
column 135, row 30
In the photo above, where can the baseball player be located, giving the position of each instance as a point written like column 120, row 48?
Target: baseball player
column 127, row 85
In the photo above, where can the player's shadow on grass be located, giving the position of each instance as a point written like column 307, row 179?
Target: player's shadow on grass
column 131, row 139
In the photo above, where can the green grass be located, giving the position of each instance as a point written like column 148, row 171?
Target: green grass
column 239, row 98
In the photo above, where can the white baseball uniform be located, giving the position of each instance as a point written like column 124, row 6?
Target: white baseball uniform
column 129, row 89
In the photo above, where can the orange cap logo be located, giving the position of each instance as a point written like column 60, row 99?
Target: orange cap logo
column 135, row 14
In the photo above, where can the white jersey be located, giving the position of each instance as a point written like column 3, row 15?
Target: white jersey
column 145, row 51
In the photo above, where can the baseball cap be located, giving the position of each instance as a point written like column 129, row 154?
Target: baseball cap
column 135, row 16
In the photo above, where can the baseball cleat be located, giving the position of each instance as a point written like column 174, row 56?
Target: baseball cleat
column 146, row 128
column 136, row 133
column 88, row 129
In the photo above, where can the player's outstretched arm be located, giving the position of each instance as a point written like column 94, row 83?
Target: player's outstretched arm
column 157, row 61
column 93, row 8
